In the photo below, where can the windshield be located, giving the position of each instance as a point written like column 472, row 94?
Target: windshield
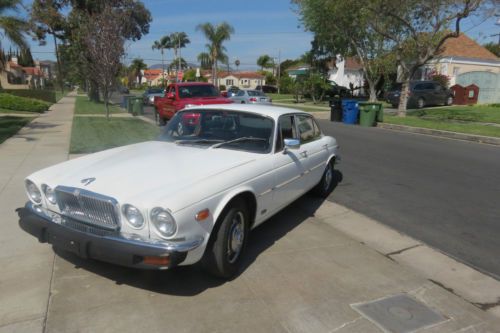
column 198, row 91
column 220, row 129
column 155, row 91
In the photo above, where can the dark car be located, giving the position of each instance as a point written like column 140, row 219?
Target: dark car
column 267, row 89
column 421, row 94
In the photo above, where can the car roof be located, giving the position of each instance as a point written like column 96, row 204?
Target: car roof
column 192, row 84
column 265, row 110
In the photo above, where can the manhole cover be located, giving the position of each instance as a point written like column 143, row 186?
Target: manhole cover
column 399, row 314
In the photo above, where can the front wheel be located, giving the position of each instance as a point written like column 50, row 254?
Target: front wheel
column 420, row 103
column 160, row 121
column 448, row 101
column 225, row 248
column 327, row 182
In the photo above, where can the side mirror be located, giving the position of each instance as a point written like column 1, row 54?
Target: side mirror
column 170, row 95
column 292, row 144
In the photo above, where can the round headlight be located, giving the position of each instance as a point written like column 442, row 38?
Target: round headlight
column 33, row 192
column 163, row 222
column 133, row 216
column 49, row 194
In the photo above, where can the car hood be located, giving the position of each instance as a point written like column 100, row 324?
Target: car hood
column 144, row 172
column 206, row 100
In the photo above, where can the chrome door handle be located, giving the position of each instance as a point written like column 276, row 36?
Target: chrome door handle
column 304, row 153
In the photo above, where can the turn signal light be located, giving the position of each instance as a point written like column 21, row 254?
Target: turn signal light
column 157, row 261
column 202, row 215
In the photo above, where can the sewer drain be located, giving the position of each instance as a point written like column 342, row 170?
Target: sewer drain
column 399, row 314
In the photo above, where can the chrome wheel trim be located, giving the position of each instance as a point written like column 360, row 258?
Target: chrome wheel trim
column 180, row 129
column 449, row 101
column 236, row 237
column 421, row 103
column 328, row 177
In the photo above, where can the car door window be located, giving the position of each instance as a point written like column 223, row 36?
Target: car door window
column 286, row 130
column 240, row 93
column 306, row 128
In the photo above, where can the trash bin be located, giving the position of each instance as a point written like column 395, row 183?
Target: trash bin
column 336, row 108
column 369, row 112
column 137, row 108
column 350, row 111
column 124, row 102
column 130, row 103
column 380, row 113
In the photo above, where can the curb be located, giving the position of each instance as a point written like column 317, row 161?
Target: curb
column 440, row 133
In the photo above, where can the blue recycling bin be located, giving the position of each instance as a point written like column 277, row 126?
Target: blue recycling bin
column 350, row 111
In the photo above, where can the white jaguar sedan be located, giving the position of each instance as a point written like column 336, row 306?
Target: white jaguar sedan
column 215, row 173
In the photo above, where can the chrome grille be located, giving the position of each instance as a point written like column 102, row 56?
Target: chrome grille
column 88, row 207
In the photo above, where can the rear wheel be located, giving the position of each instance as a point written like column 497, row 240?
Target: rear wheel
column 448, row 101
column 228, row 241
column 327, row 182
column 160, row 121
column 420, row 103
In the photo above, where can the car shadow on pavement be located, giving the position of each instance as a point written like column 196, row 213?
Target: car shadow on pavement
column 192, row 280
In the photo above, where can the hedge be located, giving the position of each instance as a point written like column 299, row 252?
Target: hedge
column 16, row 103
column 44, row 95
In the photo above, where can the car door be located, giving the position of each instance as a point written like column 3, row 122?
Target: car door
column 169, row 107
column 313, row 150
column 288, row 165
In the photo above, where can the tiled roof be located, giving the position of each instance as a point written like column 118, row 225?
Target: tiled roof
column 32, row 71
column 352, row 64
column 151, row 74
column 14, row 65
column 464, row 47
column 241, row 75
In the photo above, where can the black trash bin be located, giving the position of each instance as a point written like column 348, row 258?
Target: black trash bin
column 336, row 108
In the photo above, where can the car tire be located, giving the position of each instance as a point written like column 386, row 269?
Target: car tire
column 160, row 121
column 448, row 100
column 420, row 103
column 242, row 102
column 228, row 241
column 327, row 182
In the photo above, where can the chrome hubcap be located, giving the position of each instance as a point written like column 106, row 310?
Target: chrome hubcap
column 236, row 237
column 328, row 177
column 180, row 129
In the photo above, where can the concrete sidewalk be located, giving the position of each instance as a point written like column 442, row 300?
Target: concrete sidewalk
column 306, row 270
column 26, row 264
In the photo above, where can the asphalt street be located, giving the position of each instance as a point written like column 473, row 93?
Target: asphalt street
column 445, row 193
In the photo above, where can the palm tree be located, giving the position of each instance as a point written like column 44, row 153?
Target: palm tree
column 136, row 66
column 264, row 61
column 216, row 36
column 12, row 27
column 163, row 43
column 178, row 40
column 178, row 63
column 204, row 59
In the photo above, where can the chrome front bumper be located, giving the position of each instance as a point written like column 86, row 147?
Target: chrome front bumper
column 117, row 248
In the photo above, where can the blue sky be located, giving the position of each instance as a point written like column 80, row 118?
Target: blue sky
column 261, row 27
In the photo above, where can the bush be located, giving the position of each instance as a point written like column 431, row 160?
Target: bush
column 444, row 80
column 44, row 95
column 222, row 87
column 16, row 103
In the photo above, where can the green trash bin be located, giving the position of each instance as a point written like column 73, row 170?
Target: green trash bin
column 130, row 103
column 137, row 108
column 380, row 113
column 367, row 114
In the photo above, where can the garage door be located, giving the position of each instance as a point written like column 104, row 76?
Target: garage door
column 488, row 83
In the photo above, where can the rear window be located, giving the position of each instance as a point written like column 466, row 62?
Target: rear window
column 155, row 91
column 255, row 93
column 198, row 91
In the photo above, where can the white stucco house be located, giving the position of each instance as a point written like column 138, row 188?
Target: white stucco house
column 347, row 71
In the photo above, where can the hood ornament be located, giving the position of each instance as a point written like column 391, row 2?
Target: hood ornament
column 87, row 181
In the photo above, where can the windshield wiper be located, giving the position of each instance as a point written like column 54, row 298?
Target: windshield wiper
column 245, row 138
column 181, row 142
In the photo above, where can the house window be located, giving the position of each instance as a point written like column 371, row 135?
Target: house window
column 456, row 71
column 229, row 82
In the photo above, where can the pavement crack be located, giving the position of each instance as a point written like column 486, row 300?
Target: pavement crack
column 487, row 306
column 402, row 250
column 49, row 298
column 346, row 324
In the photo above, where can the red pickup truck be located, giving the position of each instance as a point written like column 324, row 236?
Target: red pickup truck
column 182, row 95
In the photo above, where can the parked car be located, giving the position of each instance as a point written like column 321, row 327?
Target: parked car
column 233, row 90
column 149, row 95
column 183, row 95
column 193, row 195
column 251, row 97
column 421, row 94
column 267, row 89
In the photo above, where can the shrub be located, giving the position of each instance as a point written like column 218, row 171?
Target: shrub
column 16, row 103
column 44, row 95
column 222, row 87
column 444, row 80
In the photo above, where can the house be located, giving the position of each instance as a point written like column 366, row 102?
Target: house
column 242, row 80
column 346, row 72
column 466, row 62
column 298, row 70
column 14, row 76
column 153, row 77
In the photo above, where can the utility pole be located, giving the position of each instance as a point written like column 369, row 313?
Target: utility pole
column 279, row 69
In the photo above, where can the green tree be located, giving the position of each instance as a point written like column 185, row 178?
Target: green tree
column 264, row 61
column 216, row 35
column 178, row 63
column 493, row 48
column 162, row 44
column 205, row 60
column 136, row 67
column 10, row 26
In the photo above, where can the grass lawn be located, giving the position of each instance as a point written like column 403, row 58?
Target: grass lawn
column 476, row 113
column 11, row 125
column 60, row 94
column 277, row 97
column 91, row 134
column 444, row 125
column 84, row 106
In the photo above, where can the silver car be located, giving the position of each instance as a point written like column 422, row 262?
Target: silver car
column 251, row 97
